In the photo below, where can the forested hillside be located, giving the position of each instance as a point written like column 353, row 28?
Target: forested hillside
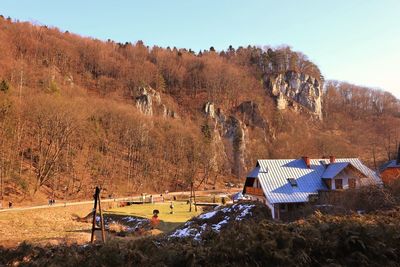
column 76, row 112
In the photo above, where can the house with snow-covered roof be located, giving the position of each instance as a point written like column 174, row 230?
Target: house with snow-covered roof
column 390, row 170
column 286, row 184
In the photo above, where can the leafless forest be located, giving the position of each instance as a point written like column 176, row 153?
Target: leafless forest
column 69, row 117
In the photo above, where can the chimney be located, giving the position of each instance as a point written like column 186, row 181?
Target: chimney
column 307, row 161
column 398, row 157
column 332, row 159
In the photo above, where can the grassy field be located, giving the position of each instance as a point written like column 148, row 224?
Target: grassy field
column 168, row 221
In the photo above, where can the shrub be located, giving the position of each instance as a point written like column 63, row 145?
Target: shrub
column 4, row 86
column 320, row 240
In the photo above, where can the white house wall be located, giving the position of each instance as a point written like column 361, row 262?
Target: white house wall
column 345, row 175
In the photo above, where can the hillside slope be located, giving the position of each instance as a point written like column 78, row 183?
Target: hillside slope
column 76, row 112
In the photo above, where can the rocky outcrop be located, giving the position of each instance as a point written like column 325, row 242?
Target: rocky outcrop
column 144, row 104
column 236, row 133
column 293, row 89
column 250, row 114
column 144, row 101
column 149, row 103
column 214, row 113
column 209, row 109
column 232, row 131
column 169, row 113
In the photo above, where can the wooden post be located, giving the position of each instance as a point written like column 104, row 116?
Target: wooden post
column 94, row 214
column 190, row 197
column 194, row 198
column 94, row 228
column 103, row 233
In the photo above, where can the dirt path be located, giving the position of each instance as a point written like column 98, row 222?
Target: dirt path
column 85, row 202
column 65, row 204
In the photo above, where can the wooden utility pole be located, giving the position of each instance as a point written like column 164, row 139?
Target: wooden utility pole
column 20, row 127
column 1, row 186
column 374, row 156
column 2, row 172
column 192, row 197
column 94, row 228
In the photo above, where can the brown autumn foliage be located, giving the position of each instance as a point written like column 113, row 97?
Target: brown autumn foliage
column 68, row 118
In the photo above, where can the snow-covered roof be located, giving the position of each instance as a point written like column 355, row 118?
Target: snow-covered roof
column 334, row 169
column 274, row 174
column 371, row 176
column 254, row 173
column 389, row 164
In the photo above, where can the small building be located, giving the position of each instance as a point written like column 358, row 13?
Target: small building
column 390, row 171
column 285, row 184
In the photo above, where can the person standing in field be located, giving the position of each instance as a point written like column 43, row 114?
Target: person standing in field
column 155, row 221
column 171, row 206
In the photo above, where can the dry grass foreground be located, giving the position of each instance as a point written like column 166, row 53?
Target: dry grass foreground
column 56, row 225
column 44, row 226
column 320, row 240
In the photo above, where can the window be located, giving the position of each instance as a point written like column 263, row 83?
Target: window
column 352, row 183
column 292, row 181
column 283, row 207
column 328, row 183
column 338, row 183
column 258, row 185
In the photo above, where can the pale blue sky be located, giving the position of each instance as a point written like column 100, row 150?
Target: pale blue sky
column 351, row 40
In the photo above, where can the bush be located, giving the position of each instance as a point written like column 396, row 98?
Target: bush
column 365, row 199
column 4, row 86
column 53, row 88
column 368, row 198
column 394, row 189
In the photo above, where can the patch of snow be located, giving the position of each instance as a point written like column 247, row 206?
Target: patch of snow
column 245, row 210
column 190, row 230
column 132, row 219
column 208, row 215
column 185, row 232
column 217, row 227
column 197, row 237
column 225, row 210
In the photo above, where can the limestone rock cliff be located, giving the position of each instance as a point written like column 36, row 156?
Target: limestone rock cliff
column 232, row 130
column 296, row 89
column 250, row 114
column 144, row 101
column 209, row 109
column 235, row 131
column 149, row 103
column 169, row 113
